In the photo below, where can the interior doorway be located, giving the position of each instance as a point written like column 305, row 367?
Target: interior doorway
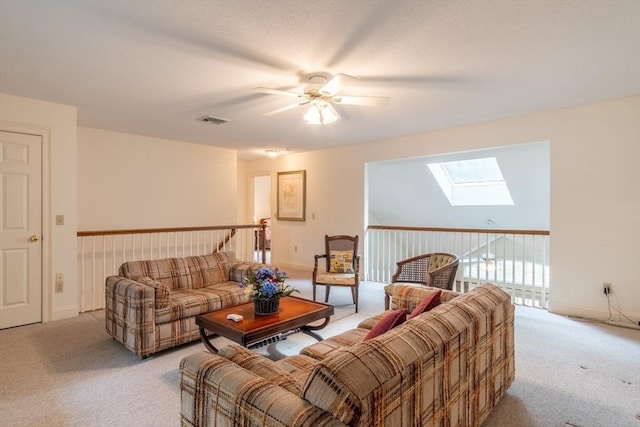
column 262, row 209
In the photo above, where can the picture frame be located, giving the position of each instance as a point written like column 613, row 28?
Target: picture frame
column 292, row 196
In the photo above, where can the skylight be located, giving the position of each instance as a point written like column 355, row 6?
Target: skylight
column 475, row 182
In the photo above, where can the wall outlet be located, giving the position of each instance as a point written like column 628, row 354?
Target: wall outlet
column 295, row 248
column 59, row 283
column 606, row 288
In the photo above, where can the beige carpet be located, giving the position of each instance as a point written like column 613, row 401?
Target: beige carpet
column 71, row 373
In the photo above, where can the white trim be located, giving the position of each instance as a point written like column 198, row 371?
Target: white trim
column 590, row 314
column 65, row 312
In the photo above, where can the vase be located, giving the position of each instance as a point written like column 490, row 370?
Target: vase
column 264, row 306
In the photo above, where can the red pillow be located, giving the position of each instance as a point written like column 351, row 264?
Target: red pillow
column 432, row 300
column 389, row 321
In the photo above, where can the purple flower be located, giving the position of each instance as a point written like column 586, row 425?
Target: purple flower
column 266, row 283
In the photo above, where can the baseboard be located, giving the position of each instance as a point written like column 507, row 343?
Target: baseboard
column 64, row 313
column 292, row 266
column 595, row 315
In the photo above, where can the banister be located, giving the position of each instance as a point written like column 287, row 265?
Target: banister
column 459, row 230
column 163, row 230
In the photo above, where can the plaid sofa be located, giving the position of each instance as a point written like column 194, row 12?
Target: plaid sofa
column 151, row 305
column 446, row 367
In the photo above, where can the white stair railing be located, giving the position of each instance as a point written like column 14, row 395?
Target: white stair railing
column 515, row 260
column 100, row 253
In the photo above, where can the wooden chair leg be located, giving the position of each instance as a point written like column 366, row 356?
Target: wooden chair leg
column 355, row 297
column 326, row 293
column 314, row 291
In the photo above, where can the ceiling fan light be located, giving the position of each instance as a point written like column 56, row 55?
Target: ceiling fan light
column 320, row 114
column 312, row 116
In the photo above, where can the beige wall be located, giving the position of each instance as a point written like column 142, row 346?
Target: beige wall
column 130, row 181
column 595, row 203
column 57, row 124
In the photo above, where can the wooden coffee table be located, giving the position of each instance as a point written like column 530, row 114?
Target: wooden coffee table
column 257, row 330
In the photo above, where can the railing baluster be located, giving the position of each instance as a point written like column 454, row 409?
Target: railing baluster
column 82, row 273
column 93, row 266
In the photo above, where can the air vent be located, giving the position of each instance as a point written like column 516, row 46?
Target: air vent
column 213, row 120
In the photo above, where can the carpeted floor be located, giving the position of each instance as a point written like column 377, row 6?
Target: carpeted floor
column 71, row 373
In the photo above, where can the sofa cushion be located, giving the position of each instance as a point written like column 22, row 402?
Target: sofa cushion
column 171, row 272
column 323, row 348
column 189, row 302
column 390, row 320
column 370, row 322
column 336, row 278
column 239, row 270
column 162, row 292
column 341, row 262
column 298, row 365
column 432, row 300
column 207, row 270
column 260, row 365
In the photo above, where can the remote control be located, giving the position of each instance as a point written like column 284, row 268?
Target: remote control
column 235, row 317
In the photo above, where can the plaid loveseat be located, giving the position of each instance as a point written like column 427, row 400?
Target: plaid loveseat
column 446, row 367
column 151, row 305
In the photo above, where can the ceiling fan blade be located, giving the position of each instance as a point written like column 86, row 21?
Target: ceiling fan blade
column 333, row 110
column 334, row 84
column 380, row 101
column 277, row 92
column 285, row 108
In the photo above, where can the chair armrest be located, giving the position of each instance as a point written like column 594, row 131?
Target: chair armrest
column 315, row 262
column 444, row 276
column 130, row 314
column 216, row 391
column 412, row 270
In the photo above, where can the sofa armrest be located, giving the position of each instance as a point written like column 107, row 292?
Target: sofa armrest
column 240, row 269
column 130, row 314
column 216, row 391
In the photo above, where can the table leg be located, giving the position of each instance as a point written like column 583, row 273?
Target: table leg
column 306, row 329
column 207, row 342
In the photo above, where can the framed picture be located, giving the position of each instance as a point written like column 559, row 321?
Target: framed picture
column 292, row 195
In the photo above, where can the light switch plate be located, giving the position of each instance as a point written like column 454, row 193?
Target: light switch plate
column 59, row 219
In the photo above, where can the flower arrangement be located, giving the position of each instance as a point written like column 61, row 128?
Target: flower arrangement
column 265, row 283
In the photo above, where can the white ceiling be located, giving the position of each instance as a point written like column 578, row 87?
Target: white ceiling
column 152, row 67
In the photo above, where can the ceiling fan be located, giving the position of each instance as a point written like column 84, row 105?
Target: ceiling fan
column 320, row 94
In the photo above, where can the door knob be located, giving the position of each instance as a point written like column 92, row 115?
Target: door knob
column 34, row 238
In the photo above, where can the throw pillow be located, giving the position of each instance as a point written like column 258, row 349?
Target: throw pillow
column 432, row 300
column 341, row 262
column 389, row 321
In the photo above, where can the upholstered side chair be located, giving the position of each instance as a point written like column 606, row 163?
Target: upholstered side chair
column 341, row 266
column 436, row 269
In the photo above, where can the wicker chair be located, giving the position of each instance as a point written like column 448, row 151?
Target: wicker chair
column 342, row 266
column 436, row 269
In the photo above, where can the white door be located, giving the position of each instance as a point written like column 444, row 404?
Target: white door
column 20, row 229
